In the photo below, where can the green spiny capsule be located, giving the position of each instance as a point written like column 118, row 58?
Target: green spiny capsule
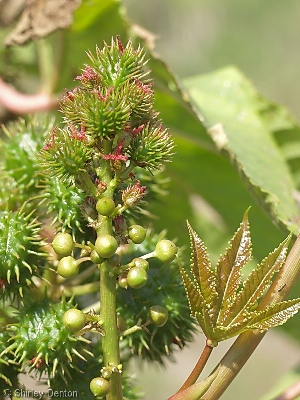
column 8, row 369
column 65, row 154
column 20, row 253
column 41, row 342
column 152, row 148
column 63, row 204
column 19, row 152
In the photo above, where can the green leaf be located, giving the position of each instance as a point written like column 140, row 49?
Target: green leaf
column 234, row 112
column 259, row 280
column 226, row 332
column 229, row 267
column 195, row 298
column 202, row 272
column 275, row 315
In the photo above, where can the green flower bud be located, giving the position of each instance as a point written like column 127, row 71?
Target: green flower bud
column 137, row 277
column 63, row 244
column 68, row 267
column 165, row 250
column 158, row 315
column 106, row 245
column 100, row 386
column 105, row 206
column 137, row 233
column 141, row 262
column 74, row 320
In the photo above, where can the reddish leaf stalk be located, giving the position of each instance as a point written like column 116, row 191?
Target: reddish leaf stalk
column 20, row 103
column 194, row 375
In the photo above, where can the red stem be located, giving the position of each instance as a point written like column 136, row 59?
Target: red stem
column 194, row 375
column 20, row 103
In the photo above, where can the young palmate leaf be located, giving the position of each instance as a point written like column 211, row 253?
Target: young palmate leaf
column 222, row 305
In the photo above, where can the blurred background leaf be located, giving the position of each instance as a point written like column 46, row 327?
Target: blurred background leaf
column 197, row 38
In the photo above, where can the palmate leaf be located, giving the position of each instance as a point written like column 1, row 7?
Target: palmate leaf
column 203, row 274
column 221, row 306
column 195, row 298
column 274, row 315
column 258, row 281
column 229, row 266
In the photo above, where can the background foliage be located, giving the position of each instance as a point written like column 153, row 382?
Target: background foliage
column 234, row 147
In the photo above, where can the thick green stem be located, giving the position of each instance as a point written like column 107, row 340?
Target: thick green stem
column 247, row 342
column 110, row 340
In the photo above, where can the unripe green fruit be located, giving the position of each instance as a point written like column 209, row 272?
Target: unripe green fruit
column 165, row 250
column 67, row 267
column 106, row 245
column 137, row 233
column 63, row 244
column 95, row 258
column 122, row 282
column 74, row 320
column 158, row 315
column 137, row 277
column 105, row 206
column 141, row 262
column 100, row 386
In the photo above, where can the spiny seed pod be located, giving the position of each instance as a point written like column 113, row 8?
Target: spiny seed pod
column 152, row 148
column 180, row 327
column 41, row 343
column 9, row 370
column 63, row 204
column 20, row 253
column 106, row 245
column 19, row 154
column 65, row 154
column 63, row 244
